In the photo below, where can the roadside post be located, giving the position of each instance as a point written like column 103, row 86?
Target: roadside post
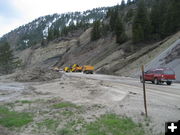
column 144, row 91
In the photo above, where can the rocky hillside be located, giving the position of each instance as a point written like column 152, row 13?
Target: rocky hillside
column 105, row 54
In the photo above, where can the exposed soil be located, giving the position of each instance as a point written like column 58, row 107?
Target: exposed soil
column 36, row 74
column 174, row 54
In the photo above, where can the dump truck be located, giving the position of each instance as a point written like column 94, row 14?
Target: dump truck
column 87, row 69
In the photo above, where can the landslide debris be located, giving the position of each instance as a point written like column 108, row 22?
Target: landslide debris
column 37, row 74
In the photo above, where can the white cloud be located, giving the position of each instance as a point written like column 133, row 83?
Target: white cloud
column 31, row 9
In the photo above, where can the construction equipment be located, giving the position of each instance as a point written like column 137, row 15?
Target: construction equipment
column 88, row 69
column 79, row 69
column 76, row 68
column 67, row 69
column 73, row 67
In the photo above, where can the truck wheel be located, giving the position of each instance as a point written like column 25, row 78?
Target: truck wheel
column 85, row 72
column 169, row 83
column 156, row 81
column 91, row 72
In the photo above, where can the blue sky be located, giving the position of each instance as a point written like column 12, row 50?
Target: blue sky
column 14, row 13
column 7, row 9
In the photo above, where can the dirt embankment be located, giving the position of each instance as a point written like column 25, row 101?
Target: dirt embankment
column 36, row 74
column 174, row 54
column 168, row 58
column 146, row 55
column 105, row 54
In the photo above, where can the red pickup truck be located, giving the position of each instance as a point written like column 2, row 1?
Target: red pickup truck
column 159, row 75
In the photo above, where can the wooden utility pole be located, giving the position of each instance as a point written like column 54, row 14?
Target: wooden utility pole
column 144, row 91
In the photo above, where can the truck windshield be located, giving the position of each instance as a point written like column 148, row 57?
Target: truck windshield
column 159, row 72
column 169, row 72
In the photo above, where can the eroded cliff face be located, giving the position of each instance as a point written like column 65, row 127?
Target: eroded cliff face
column 105, row 54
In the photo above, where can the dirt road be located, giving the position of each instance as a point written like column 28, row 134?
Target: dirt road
column 120, row 95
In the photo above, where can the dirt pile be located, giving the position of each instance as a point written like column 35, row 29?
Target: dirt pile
column 37, row 75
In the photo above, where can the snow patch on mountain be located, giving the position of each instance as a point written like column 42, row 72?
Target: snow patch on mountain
column 45, row 32
column 68, row 23
column 91, row 20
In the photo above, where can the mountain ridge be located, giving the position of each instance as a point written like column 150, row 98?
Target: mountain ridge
column 34, row 31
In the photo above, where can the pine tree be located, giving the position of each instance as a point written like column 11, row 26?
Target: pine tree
column 156, row 17
column 120, row 32
column 172, row 18
column 50, row 34
column 128, row 2
column 123, row 4
column 96, row 31
column 64, row 31
column 138, row 33
column 129, row 15
column 56, row 33
column 105, row 29
column 7, row 61
column 113, row 17
column 141, row 28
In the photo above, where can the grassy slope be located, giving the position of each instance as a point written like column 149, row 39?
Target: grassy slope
column 64, row 118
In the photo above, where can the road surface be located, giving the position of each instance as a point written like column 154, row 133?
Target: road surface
column 163, row 101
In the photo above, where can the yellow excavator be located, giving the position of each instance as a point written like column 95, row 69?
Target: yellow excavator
column 76, row 68
column 67, row 69
column 87, row 69
column 73, row 67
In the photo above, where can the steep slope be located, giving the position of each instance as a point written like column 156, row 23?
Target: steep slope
column 163, row 53
column 168, row 58
column 105, row 54
column 109, row 57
